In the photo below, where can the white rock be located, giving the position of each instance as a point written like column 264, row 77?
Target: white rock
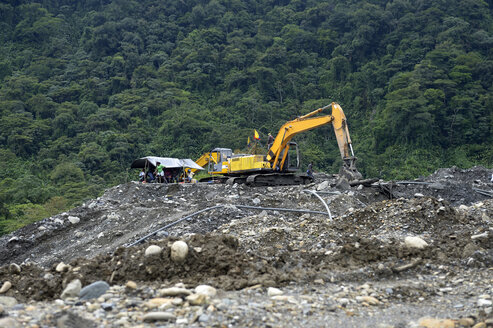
column 481, row 235
column 14, row 268
column 368, row 299
column 196, row 299
column 177, row 301
column 415, row 242
column 418, row 194
column 484, row 303
column 360, row 187
column 256, row 201
column 206, row 290
column 62, row 267
column 272, row 291
column 72, row 289
column 58, row 221
column 284, row 298
column 73, row 219
column 7, row 301
column 5, row 287
column 131, row 285
column 10, row 323
column 174, row 291
column 463, row 207
column 323, row 185
column 41, row 228
column 152, row 250
column 478, row 205
column 113, row 216
column 158, row 316
column 179, row 251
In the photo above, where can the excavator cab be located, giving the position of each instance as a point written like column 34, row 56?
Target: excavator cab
column 292, row 163
column 221, row 164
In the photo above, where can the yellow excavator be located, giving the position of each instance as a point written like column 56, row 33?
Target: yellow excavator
column 276, row 167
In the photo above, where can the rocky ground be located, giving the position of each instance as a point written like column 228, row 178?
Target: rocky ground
column 394, row 254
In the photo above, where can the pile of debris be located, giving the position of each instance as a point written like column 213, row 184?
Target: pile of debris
column 410, row 237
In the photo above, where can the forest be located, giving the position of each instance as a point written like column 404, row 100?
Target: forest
column 88, row 86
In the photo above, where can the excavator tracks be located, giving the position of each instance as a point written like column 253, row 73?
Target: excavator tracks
column 258, row 180
column 277, row 179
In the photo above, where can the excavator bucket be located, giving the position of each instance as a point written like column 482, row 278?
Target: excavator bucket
column 349, row 171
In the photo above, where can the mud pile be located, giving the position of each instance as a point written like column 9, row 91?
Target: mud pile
column 212, row 259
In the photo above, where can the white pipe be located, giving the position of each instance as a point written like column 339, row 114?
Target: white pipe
column 323, row 201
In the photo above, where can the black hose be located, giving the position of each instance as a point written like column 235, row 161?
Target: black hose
column 172, row 224
column 219, row 206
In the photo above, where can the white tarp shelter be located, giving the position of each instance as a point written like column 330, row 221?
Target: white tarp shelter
column 168, row 162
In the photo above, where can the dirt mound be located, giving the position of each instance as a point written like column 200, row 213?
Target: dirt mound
column 403, row 217
column 457, row 186
column 212, row 259
column 273, row 249
column 369, row 236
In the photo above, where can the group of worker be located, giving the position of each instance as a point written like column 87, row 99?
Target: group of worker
column 165, row 175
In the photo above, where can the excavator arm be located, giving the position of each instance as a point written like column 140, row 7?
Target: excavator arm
column 205, row 159
column 278, row 151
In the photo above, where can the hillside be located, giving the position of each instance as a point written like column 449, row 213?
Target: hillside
column 88, row 86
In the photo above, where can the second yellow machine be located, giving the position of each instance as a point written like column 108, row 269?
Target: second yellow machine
column 277, row 167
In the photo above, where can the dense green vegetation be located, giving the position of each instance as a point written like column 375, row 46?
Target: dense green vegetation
column 88, row 86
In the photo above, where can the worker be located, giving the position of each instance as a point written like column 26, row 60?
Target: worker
column 142, row 175
column 270, row 141
column 160, row 172
column 189, row 175
column 150, row 177
column 309, row 171
column 168, row 175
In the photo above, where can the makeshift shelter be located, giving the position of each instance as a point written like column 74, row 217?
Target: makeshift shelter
column 149, row 162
